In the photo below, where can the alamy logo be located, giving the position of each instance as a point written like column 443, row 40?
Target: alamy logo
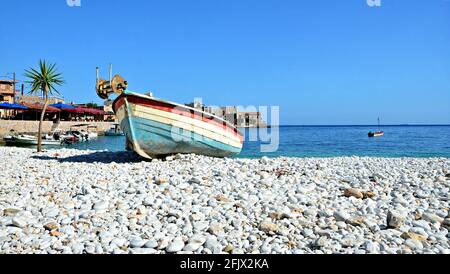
column 374, row 3
column 252, row 117
column 73, row 3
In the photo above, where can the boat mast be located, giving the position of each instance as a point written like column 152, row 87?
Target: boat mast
column 96, row 78
column 378, row 123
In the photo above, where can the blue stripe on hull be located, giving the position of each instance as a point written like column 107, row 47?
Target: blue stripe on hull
column 156, row 138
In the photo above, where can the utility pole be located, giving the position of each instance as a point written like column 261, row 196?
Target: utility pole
column 14, row 88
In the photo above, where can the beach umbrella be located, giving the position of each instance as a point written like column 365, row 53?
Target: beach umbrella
column 38, row 108
column 97, row 112
column 92, row 111
column 73, row 110
column 63, row 106
column 6, row 105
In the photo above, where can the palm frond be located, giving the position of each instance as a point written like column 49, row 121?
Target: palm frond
column 44, row 80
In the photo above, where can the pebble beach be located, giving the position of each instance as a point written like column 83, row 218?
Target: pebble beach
column 96, row 202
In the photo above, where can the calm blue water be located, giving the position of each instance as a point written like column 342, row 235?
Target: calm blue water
column 330, row 141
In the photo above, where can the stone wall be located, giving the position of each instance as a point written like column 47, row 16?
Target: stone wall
column 32, row 126
column 22, row 126
column 101, row 126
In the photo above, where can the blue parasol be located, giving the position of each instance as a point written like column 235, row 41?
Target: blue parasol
column 61, row 105
column 6, row 105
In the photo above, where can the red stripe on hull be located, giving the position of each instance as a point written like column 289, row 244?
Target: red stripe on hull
column 177, row 110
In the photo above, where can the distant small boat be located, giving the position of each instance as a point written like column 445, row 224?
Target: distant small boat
column 28, row 140
column 378, row 133
column 88, row 135
column 115, row 131
column 88, row 132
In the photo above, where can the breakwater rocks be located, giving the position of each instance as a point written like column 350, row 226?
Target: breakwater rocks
column 70, row 201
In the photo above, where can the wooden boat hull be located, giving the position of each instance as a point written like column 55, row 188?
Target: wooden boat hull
column 154, row 127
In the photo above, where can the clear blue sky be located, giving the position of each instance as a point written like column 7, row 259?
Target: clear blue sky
column 321, row 61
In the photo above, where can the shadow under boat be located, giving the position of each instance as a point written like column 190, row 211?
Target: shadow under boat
column 104, row 157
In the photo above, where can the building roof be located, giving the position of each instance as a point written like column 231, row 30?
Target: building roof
column 8, row 81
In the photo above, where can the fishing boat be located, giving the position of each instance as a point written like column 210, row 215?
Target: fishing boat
column 88, row 135
column 64, row 138
column 85, row 131
column 155, row 127
column 114, row 131
column 378, row 133
column 71, row 136
column 28, row 140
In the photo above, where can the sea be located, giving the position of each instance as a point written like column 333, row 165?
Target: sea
column 327, row 141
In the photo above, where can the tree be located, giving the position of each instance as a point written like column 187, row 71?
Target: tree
column 44, row 82
column 91, row 105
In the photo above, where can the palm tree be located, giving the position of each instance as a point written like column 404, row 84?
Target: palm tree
column 44, row 82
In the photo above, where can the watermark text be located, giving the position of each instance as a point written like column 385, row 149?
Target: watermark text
column 221, row 124
column 374, row 3
column 73, row 3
